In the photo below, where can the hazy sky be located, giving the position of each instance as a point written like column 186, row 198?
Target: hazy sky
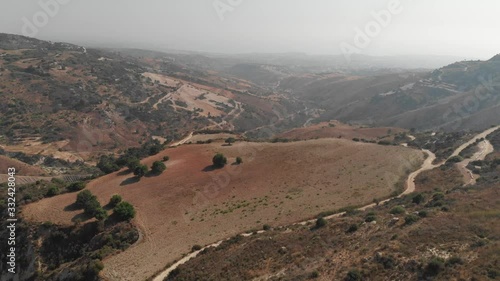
column 469, row 29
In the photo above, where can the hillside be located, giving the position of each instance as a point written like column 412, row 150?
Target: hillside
column 446, row 230
column 94, row 101
column 191, row 203
column 463, row 95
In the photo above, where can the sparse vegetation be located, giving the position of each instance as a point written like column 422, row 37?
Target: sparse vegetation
column 320, row 222
column 239, row 160
column 354, row 275
column 158, row 167
column 76, row 186
column 230, row 140
column 397, row 210
column 140, row 171
column 219, row 160
column 115, row 199
column 125, row 211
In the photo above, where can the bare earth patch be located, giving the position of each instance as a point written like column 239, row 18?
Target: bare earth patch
column 335, row 129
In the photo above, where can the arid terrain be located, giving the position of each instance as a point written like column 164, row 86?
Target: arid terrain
column 360, row 171
column 277, row 184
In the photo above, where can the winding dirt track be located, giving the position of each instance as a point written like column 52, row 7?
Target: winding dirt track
column 183, row 141
column 474, row 139
column 410, row 183
column 410, row 188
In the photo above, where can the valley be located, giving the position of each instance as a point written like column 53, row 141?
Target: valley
column 321, row 165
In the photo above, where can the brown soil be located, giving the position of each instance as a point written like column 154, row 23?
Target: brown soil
column 324, row 130
column 21, row 167
column 277, row 184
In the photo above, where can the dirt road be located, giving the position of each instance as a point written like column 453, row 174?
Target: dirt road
column 183, row 141
column 486, row 148
column 473, row 140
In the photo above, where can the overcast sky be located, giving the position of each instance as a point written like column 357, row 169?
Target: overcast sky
column 469, row 29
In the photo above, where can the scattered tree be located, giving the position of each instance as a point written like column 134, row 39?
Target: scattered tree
column 83, row 197
column 158, row 167
column 101, row 214
column 140, row 171
column 352, row 228
column 410, row 219
column 166, row 158
column 92, row 206
column 239, row 160
column 397, row 210
column 115, row 199
column 354, row 275
column 418, row 198
column 125, row 211
column 133, row 163
column 76, row 186
column 230, row 140
column 434, row 266
column 196, row 248
column 53, row 191
column 219, row 160
column 320, row 222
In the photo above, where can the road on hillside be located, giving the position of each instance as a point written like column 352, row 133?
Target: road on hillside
column 410, row 188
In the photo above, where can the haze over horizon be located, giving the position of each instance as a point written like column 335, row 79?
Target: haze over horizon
column 425, row 27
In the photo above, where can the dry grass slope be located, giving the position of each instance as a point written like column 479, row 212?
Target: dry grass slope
column 277, row 184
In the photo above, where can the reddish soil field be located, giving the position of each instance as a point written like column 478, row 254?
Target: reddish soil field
column 22, row 169
column 323, row 130
column 277, row 184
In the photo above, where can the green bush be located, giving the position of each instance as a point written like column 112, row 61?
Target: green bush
column 239, row 160
column 196, row 248
column 397, row 210
column 158, row 167
column 230, row 140
column 83, row 197
column 320, row 222
column 354, row 275
column 454, row 260
column 92, row 206
column 165, row 158
column 124, row 211
column 115, row 199
column 100, row 214
column 370, row 218
column 52, row 191
column 352, row 228
column 133, row 163
column 410, row 219
column 434, row 267
column 219, row 160
column 418, row 198
column 140, row 171
column 76, row 186
column 455, row 159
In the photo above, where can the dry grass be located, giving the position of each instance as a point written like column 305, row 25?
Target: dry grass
column 335, row 129
column 464, row 240
column 277, row 184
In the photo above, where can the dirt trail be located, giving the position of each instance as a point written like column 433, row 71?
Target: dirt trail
column 183, row 141
column 473, row 140
column 487, row 148
column 427, row 165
